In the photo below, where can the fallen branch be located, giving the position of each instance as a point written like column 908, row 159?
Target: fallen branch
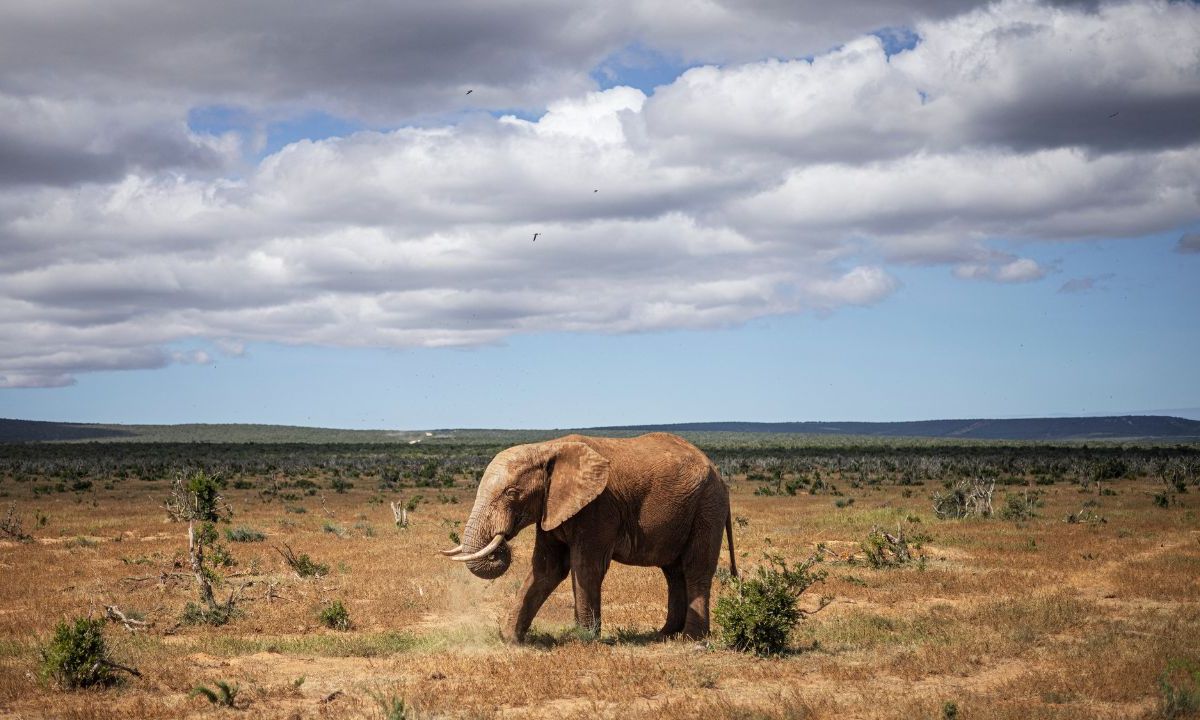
column 272, row 594
column 303, row 565
column 112, row 612
column 161, row 577
column 825, row 602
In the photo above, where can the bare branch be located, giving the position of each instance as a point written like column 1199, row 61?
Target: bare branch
column 112, row 612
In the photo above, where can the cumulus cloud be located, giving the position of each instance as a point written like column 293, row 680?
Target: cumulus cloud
column 737, row 191
column 1016, row 270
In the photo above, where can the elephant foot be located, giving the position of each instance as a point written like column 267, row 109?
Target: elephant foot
column 667, row 634
column 693, row 634
column 512, row 636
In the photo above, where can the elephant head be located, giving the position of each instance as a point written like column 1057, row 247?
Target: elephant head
column 546, row 483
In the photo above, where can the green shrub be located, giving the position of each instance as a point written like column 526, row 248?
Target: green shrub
column 340, row 486
column 884, row 550
column 302, row 564
column 226, row 697
column 757, row 614
column 1021, row 506
column 216, row 615
column 1179, row 690
column 77, row 655
column 11, row 527
column 243, row 533
column 392, row 707
column 335, row 616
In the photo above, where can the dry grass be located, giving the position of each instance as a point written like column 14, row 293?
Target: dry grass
column 1036, row 619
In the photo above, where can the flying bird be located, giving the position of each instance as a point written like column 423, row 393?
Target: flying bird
column 535, row 236
column 470, row 91
column 1110, row 117
column 596, row 191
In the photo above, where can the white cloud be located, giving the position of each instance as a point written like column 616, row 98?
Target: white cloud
column 860, row 286
column 1016, row 270
column 736, row 192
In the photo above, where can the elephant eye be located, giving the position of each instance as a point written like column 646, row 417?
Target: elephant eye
column 511, row 492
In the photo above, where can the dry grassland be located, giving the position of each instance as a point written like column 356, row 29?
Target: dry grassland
column 1039, row 619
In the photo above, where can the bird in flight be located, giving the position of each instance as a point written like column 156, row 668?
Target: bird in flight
column 535, row 236
column 1110, row 117
column 596, row 190
column 470, row 91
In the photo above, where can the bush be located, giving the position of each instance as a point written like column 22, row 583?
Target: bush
column 969, row 498
column 335, row 616
column 1179, row 687
column 77, row 655
column 226, row 697
column 884, row 550
column 759, row 612
column 1022, row 506
column 243, row 533
column 216, row 615
column 11, row 526
column 302, row 564
column 392, row 707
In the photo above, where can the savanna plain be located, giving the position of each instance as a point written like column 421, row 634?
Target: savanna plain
column 1077, row 596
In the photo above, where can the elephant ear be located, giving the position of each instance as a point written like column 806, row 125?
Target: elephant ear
column 576, row 475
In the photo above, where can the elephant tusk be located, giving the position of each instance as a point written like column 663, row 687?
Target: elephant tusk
column 451, row 551
column 487, row 550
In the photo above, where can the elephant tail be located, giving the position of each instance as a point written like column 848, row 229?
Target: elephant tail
column 729, row 534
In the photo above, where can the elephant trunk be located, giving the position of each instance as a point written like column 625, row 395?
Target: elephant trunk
column 477, row 536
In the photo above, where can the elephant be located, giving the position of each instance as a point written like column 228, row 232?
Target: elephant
column 652, row 500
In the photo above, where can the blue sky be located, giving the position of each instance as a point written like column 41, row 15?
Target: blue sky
column 743, row 217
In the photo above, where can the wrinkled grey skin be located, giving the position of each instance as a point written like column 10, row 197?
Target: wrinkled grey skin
column 653, row 500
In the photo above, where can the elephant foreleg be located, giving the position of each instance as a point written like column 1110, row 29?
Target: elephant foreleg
column 550, row 565
column 588, row 569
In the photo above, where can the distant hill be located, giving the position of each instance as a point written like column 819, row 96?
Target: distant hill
column 37, row 431
column 1124, row 427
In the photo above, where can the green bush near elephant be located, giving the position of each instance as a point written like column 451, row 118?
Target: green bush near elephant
column 757, row 613
column 77, row 655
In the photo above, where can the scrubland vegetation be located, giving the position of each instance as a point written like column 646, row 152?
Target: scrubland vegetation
column 881, row 579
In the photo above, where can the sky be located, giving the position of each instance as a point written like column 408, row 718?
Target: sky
column 325, row 214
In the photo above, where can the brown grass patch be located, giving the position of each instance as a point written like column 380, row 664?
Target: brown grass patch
column 1006, row 620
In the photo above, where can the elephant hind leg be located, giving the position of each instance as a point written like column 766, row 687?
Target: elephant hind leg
column 696, row 623
column 677, row 601
column 699, row 560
